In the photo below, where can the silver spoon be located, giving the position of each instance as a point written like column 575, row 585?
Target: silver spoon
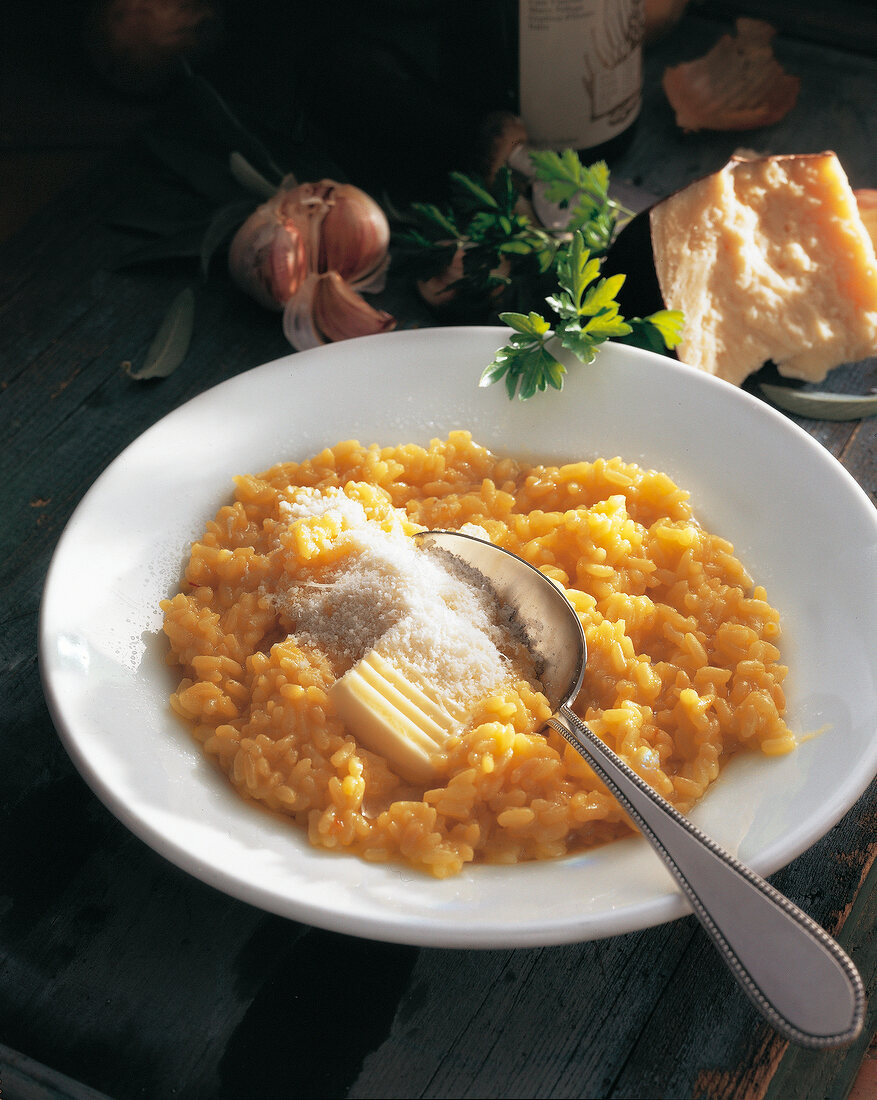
column 797, row 976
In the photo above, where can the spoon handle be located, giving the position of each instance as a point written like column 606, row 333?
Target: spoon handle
column 795, row 973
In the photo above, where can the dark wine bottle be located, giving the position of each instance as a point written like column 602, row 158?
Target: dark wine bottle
column 580, row 73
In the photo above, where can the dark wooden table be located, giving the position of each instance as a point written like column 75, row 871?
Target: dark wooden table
column 123, row 976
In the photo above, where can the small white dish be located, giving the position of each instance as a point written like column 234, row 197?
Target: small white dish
column 800, row 523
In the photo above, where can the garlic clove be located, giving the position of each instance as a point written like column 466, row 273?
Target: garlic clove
column 306, row 205
column 340, row 313
column 355, row 235
column 342, row 227
column 326, row 309
column 502, row 139
column 298, row 317
column 288, row 261
column 314, row 247
column 267, row 257
column 375, row 281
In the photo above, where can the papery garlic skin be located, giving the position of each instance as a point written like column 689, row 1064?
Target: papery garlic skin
column 327, row 309
column 341, row 314
column 267, row 258
column 298, row 319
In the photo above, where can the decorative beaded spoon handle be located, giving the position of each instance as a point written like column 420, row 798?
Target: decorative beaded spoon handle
column 797, row 976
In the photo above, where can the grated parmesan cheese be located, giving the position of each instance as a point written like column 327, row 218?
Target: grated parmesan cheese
column 417, row 609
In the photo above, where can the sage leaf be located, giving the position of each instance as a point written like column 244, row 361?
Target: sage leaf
column 203, row 169
column 817, row 405
column 171, row 342
column 222, row 225
column 225, row 123
column 156, row 224
column 248, row 177
column 185, row 245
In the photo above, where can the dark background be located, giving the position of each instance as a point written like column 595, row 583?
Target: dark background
column 368, row 91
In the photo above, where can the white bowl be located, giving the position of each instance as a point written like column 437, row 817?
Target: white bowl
column 801, row 524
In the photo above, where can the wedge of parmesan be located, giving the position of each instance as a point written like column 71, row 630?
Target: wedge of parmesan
column 768, row 259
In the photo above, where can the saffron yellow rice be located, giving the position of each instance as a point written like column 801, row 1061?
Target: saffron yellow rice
column 683, row 665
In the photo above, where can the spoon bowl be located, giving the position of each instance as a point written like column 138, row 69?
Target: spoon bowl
column 554, row 634
column 795, row 974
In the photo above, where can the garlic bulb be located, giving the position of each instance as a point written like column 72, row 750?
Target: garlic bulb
column 310, row 250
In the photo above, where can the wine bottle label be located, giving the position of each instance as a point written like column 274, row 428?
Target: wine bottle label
column 580, row 70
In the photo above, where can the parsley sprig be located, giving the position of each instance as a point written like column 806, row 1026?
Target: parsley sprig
column 506, row 252
column 498, row 240
column 510, row 259
column 584, row 191
column 587, row 315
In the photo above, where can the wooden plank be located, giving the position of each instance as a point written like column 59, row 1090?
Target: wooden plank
column 22, row 1078
column 830, row 1076
column 73, row 409
column 556, row 1021
column 632, row 1016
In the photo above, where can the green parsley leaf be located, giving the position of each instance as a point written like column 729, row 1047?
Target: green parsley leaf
column 584, row 190
column 657, row 332
column 602, row 296
column 531, row 324
column 496, row 231
column 587, row 315
column 669, row 322
column 567, row 178
column 582, row 346
column 525, row 363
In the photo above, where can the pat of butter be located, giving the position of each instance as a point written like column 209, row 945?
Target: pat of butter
column 394, row 716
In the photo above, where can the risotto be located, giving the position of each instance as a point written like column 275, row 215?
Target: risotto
column 683, row 665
